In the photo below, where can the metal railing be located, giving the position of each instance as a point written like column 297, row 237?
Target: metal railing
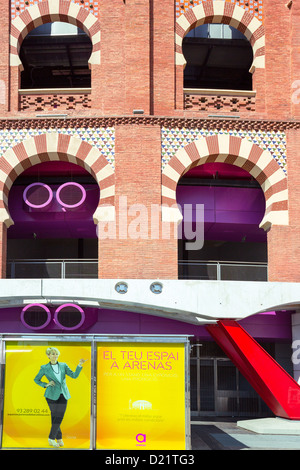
column 88, row 269
column 222, row 271
column 52, row 268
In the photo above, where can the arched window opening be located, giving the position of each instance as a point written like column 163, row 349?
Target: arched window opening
column 54, row 234
column 234, row 248
column 55, row 55
column 218, row 57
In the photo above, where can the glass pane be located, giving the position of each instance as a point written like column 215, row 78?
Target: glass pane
column 87, row 270
column 207, row 391
column 216, row 31
column 38, row 270
column 193, row 386
column 61, row 29
column 233, row 272
column 197, row 271
column 226, row 374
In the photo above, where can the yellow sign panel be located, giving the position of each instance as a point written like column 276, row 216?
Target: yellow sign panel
column 26, row 416
column 141, row 396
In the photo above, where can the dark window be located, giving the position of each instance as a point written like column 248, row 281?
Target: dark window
column 218, row 57
column 55, row 55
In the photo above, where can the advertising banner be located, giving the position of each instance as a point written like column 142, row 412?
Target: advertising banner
column 141, row 399
column 43, row 397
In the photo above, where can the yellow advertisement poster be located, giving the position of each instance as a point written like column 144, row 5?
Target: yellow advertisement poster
column 141, row 396
column 27, row 417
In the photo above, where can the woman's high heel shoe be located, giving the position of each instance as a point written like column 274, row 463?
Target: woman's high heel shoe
column 53, row 443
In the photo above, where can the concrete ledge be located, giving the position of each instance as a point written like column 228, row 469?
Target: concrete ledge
column 271, row 426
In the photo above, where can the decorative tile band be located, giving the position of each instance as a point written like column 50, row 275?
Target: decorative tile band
column 254, row 7
column 175, row 138
column 17, row 6
column 101, row 138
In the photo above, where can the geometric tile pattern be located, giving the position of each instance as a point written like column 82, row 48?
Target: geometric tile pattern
column 101, row 138
column 17, row 6
column 254, row 7
column 175, row 138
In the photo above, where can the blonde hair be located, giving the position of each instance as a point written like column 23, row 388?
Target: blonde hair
column 50, row 349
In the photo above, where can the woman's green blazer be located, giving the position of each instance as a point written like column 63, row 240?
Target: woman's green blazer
column 60, row 387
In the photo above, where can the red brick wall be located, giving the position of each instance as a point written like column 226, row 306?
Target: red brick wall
column 125, row 50
column 278, row 49
column 137, row 68
column 295, row 59
column 163, row 78
column 284, row 242
column 138, row 178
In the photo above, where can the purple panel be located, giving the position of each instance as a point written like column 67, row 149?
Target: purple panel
column 222, row 170
column 55, row 168
column 229, row 213
column 275, row 327
column 229, row 200
column 269, row 326
column 196, row 195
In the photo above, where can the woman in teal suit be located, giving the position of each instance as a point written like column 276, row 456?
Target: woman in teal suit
column 56, row 393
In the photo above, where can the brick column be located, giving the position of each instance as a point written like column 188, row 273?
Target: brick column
column 278, row 49
column 163, row 59
column 138, row 249
column 125, row 57
column 284, row 242
column 295, row 59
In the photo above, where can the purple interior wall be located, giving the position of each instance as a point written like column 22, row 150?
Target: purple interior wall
column 53, row 221
column 229, row 213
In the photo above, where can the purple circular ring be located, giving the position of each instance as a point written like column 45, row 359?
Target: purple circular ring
column 69, row 305
column 71, row 205
column 35, row 205
column 36, row 327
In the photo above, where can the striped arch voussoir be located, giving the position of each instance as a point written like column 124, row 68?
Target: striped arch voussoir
column 237, row 151
column 54, row 146
column 227, row 13
column 49, row 11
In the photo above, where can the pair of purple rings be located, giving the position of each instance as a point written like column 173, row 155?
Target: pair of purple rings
column 80, row 195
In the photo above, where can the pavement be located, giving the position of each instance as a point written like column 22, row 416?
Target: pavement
column 244, row 434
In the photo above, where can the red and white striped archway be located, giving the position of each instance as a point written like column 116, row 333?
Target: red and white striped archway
column 49, row 11
column 55, row 146
column 236, row 151
column 222, row 12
